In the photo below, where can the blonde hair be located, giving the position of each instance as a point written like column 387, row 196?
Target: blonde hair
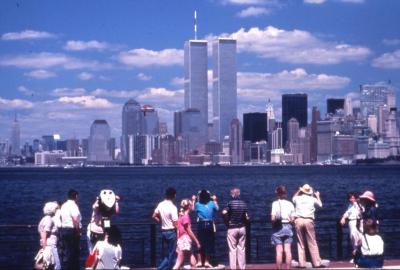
column 50, row 208
column 185, row 204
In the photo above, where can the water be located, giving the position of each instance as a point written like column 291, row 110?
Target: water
column 26, row 190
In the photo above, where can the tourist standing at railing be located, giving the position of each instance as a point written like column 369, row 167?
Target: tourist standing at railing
column 48, row 233
column 70, row 232
column 166, row 213
column 236, row 217
column 353, row 215
column 205, row 207
column 369, row 207
column 281, row 217
column 108, row 251
column 305, row 201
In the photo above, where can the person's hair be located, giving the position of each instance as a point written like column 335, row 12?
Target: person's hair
column 185, row 204
column 281, row 191
column 170, row 193
column 235, row 193
column 72, row 194
column 204, row 196
column 50, row 208
column 370, row 226
column 352, row 194
column 114, row 235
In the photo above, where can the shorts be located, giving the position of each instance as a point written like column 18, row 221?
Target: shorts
column 283, row 236
column 184, row 243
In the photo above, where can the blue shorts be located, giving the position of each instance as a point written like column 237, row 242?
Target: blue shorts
column 283, row 236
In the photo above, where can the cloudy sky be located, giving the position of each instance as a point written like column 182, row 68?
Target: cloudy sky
column 66, row 63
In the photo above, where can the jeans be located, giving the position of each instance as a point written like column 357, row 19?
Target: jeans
column 169, row 237
column 69, row 249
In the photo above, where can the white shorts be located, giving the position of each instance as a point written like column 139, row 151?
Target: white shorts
column 184, row 243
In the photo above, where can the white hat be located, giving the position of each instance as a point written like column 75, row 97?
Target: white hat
column 307, row 189
column 50, row 208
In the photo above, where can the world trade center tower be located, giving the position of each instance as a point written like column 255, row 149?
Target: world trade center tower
column 224, row 86
column 195, row 84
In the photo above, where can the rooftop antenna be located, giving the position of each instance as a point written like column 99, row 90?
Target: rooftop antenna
column 195, row 25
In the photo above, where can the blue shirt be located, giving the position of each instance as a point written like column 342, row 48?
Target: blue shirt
column 205, row 211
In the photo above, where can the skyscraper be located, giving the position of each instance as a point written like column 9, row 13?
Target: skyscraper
column 195, row 84
column 293, row 105
column 236, row 142
column 333, row 104
column 316, row 116
column 15, row 138
column 151, row 125
column 187, row 124
column 132, row 124
column 255, row 127
column 99, row 141
column 224, row 86
column 375, row 95
column 269, row 109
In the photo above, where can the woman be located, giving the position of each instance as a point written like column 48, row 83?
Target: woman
column 282, row 237
column 48, row 233
column 205, row 208
column 353, row 215
column 108, row 252
column 185, row 236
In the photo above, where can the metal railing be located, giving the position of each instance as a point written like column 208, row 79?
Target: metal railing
column 142, row 245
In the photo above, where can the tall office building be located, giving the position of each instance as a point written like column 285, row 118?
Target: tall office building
column 375, row 95
column 255, row 127
column 333, row 104
column 132, row 124
column 236, row 142
column 151, row 125
column 187, row 125
column 348, row 106
column 269, row 110
column 99, row 141
column 316, row 116
column 293, row 106
column 195, row 83
column 224, row 86
column 15, row 138
column 48, row 143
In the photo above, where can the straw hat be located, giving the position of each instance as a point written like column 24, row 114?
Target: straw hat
column 368, row 195
column 307, row 189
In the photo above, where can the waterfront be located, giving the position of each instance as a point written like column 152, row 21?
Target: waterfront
column 140, row 188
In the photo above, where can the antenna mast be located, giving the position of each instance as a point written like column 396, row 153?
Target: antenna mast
column 195, row 25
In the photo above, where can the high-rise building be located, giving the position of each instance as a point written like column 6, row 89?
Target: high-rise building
column 72, row 147
column 15, row 138
column 196, row 82
column 236, row 142
column 132, row 124
column 99, row 141
column 348, row 106
column 293, row 106
column 151, row 125
column 48, row 143
column 373, row 123
column 333, row 104
column 269, row 110
column 224, row 86
column 375, row 95
column 187, row 124
column 316, row 116
column 255, row 127
column 276, row 137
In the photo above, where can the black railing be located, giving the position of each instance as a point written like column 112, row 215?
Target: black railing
column 142, row 245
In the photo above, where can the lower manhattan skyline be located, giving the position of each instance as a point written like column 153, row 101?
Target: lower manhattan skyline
column 64, row 65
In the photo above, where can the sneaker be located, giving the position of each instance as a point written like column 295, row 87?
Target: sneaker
column 325, row 263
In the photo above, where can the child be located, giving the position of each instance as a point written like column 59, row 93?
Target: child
column 353, row 214
column 185, row 235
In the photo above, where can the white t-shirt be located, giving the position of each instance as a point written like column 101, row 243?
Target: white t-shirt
column 108, row 255
column 305, row 205
column 168, row 214
column 374, row 246
column 353, row 212
column 47, row 225
column 282, row 209
column 68, row 210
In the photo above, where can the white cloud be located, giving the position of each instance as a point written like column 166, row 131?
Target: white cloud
column 68, row 92
column 78, row 45
column 100, row 92
column 295, row 46
column 27, row 34
column 143, row 77
column 24, row 90
column 46, row 60
column 353, row 1
column 15, row 104
column 314, row 1
column 143, row 57
column 253, row 12
column 87, row 102
column 177, row 81
column 84, row 76
column 40, row 74
column 391, row 42
column 388, row 60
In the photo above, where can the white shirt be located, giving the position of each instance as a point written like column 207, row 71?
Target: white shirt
column 283, row 210
column 374, row 246
column 168, row 214
column 108, row 255
column 68, row 210
column 305, row 205
column 353, row 212
column 47, row 225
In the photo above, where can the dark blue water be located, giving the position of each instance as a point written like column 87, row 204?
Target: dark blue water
column 24, row 191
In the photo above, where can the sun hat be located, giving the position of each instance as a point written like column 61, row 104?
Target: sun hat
column 50, row 208
column 368, row 195
column 307, row 189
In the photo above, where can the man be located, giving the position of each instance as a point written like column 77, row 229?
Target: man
column 70, row 232
column 166, row 213
column 236, row 217
column 305, row 201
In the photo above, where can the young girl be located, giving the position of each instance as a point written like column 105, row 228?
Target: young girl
column 185, row 235
column 353, row 214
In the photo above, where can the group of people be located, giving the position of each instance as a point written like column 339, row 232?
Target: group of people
column 60, row 232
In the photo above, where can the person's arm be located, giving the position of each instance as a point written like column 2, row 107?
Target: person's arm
column 116, row 204
column 344, row 217
column 188, row 229
column 192, row 206
column 273, row 211
column 318, row 199
column 295, row 195
column 215, row 200
column 43, row 238
column 156, row 216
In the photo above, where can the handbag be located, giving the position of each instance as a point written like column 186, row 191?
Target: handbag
column 44, row 259
column 39, row 262
column 91, row 259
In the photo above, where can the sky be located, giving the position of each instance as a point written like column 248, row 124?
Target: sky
column 65, row 63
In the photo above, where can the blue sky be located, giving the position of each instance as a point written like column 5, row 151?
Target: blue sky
column 64, row 64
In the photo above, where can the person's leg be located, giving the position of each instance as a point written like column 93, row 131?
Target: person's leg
column 193, row 260
column 75, row 249
column 300, row 242
column 288, row 255
column 171, row 249
column 312, row 243
column 278, row 256
column 54, row 251
column 241, row 248
column 164, row 261
column 232, row 244
column 179, row 259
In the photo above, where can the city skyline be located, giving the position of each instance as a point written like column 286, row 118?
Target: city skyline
column 60, row 76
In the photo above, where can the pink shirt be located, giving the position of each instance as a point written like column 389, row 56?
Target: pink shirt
column 182, row 221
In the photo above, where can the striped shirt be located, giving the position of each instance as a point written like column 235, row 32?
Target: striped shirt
column 237, row 213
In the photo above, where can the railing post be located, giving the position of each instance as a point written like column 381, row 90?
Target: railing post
column 153, row 245
column 339, row 240
column 248, row 242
